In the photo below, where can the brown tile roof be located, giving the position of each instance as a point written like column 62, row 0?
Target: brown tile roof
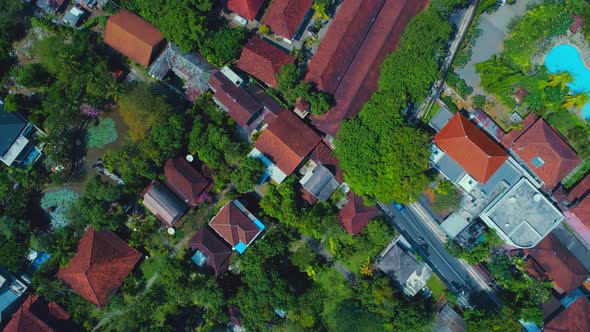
column 575, row 318
column 38, row 316
column 263, row 60
column 470, row 148
column 284, row 17
column 218, row 252
column 542, row 141
column 577, row 24
column 360, row 36
column 234, row 226
column 185, row 180
column 134, row 37
column 323, row 154
column 240, row 105
column 559, row 263
column 163, row 203
column 355, row 215
column 508, row 140
column 245, row 8
column 582, row 210
column 287, row 141
column 100, row 266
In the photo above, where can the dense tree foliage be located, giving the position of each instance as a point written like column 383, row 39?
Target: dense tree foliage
column 480, row 252
column 291, row 88
column 11, row 27
column 479, row 320
column 14, row 242
column 141, row 108
column 224, row 45
column 97, row 206
column 247, row 174
column 446, row 197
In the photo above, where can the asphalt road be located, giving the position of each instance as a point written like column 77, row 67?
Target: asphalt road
column 427, row 240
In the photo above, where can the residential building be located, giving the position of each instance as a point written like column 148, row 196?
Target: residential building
column 318, row 181
column 543, row 150
column 263, row 60
column 91, row 4
column 448, row 320
column 405, row 270
column 99, row 267
column 38, row 315
column 576, row 206
column 163, row 203
column 286, row 18
column 284, row 145
column 186, row 182
column 50, row 6
column 247, row 9
column 18, row 140
column 134, row 37
column 552, row 259
column 73, row 16
column 210, row 250
column 12, row 292
column 191, row 68
column 236, row 225
column 576, row 24
column 359, row 37
column 355, row 215
column 574, row 318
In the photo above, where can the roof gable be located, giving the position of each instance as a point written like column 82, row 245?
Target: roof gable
column 218, row 252
column 100, row 266
column 575, row 318
column 355, row 215
column 37, row 315
column 245, row 8
column 185, row 180
column 234, row 226
column 284, row 17
column 163, row 203
column 263, row 60
column 471, row 148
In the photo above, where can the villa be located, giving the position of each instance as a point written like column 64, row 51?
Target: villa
column 236, row 225
column 38, row 315
column 18, row 140
column 210, row 250
column 286, row 18
column 163, row 203
column 405, row 270
column 186, row 182
column 355, row 215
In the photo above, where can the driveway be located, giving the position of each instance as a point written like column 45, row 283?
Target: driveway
column 494, row 28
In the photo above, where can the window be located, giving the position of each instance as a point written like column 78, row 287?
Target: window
column 537, row 162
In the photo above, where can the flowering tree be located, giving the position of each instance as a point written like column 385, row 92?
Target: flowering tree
column 89, row 111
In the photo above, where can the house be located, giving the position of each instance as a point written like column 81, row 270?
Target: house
column 347, row 61
column 574, row 318
column 286, row 18
column 355, row 215
column 247, row 104
column 99, row 267
column 576, row 24
column 448, row 320
column 12, row 292
column 318, row 181
column 133, row 37
column 211, row 250
column 39, row 315
column 472, row 149
column 50, row 6
column 405, row 270
column 558, row 263
column 543, row 150
column 73, row 17
column 579, row 201
column 163, row 203
column 284, row 145
column 263, row 60
column 236, row 225
column 91, row 4
column 192, row 69
column 18, row 140
column 247, row 9
column 186, row 182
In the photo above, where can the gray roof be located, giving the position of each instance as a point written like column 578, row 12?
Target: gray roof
column 450, row 168
column 10, row 128
column 321, row 184
column 163, row 203
column 454, row 224
column 401, row 266
column 573, row 244
column 440, row 119
column 73, row 16
column 507, row 173
column 448, row 320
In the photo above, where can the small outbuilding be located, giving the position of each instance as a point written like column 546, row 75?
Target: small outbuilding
column 163, row 203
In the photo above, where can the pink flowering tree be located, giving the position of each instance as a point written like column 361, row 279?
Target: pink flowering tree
column 89, row 111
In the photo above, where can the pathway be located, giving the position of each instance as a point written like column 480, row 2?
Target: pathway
column 317, row 247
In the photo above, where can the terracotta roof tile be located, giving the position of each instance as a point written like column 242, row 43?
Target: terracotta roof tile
column 284, row 17
column 557, row 157
column 582, row 210
column 134, row 37
column 100, row 266
column 263, row 60
column 38, row 316
column 355, row 215
column 577, row 24
column 245, row 8
column 470, row 148
column 508, row 140
column 234, row 226
column 240, row 105
column 287, row 141
column 185, row 180
column 218, row 252
column 575, row 318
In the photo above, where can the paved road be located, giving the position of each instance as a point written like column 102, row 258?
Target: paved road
column 427, row 239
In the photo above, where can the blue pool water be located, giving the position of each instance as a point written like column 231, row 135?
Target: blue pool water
column 566, row 57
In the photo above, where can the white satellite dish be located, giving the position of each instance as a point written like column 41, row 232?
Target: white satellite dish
column 171, row 231
column 190, row 158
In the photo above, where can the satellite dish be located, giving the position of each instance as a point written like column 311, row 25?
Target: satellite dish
column 171, row 231
column 190, row 158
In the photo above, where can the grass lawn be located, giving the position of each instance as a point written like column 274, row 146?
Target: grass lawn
column 578, row 174
column 354, row 262
column 149, row 267
column 435, row 108
column 336, row 290
column 437, row 287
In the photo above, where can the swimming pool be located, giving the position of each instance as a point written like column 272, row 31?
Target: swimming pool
column 566, row 57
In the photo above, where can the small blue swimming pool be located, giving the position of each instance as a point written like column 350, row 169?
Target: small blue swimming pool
column 566, row 57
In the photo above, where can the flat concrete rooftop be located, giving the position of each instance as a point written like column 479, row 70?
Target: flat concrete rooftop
column 523, row 216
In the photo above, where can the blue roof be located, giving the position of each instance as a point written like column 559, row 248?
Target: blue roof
column 240, row 247
column 10, row 128
column 199, row 258
column 259, row 224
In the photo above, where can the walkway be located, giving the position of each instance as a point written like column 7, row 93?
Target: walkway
column 317, row 247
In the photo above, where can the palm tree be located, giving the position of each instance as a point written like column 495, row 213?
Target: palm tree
column 560, row 79
column 577, row 100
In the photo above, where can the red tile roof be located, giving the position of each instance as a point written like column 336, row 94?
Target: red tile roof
column 577, row 24
column 134, row 37
column 582, row 210
column 542, row 141
column 284, row 17
column 355, row 215
column 218, row 252
column 185, row 180
column 559, row 263
column 234, row 226
column 100, row 266
column 575, row 318
column 245, row 8
column 470, row 148
column 322, row 154
column 508, row 140
column 287, row 141
column 240, row 105
column 263, row 60
column 361, row 34
column 38, row 316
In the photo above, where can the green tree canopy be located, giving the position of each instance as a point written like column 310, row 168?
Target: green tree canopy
column 247, row 174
